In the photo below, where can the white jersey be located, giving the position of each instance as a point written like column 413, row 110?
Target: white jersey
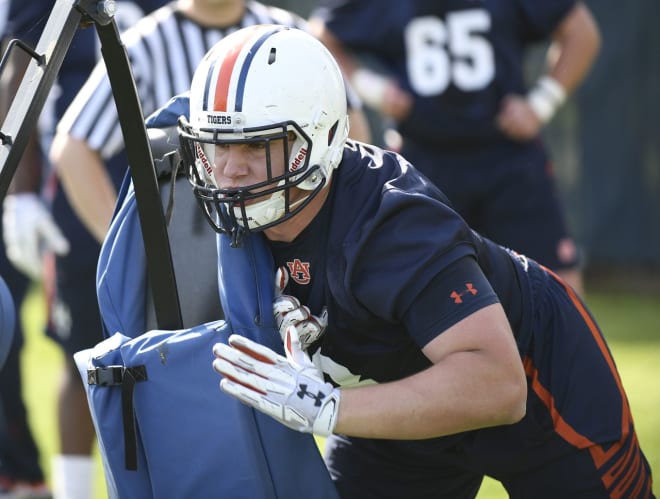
column 164, row 48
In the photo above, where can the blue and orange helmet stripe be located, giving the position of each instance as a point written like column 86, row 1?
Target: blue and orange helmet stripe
column 228, row 68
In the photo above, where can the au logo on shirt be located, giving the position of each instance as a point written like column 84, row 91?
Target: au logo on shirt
column 458, row 296
column 299, row 271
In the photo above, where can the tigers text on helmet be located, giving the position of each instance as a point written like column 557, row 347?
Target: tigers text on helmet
column 262, row 84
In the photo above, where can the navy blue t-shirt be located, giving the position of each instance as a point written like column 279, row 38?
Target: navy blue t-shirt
column 395, row 266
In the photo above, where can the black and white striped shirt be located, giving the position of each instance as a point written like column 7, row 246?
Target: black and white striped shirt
column 164, row 48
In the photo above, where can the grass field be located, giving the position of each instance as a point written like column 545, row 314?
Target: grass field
column 631, row 323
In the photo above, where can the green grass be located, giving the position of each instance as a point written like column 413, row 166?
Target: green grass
column 631, row 322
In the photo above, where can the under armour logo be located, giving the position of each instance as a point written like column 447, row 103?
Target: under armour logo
column 318, row 398
column 299, row 271
column 458, row 297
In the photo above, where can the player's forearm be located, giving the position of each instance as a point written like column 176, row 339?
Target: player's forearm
column 477, row 381
column 451, row 397
column 86, row 183
column 27, row 177
column 29, row 170
column 576, row 44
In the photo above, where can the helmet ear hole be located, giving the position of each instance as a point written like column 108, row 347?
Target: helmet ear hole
column 332, row 132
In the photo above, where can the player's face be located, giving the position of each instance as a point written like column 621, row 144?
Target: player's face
column 239, row 165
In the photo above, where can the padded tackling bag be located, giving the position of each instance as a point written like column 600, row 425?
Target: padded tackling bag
column 157, row 407
column 164, row 427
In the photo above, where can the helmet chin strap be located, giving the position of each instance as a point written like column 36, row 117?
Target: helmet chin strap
column 265, row 212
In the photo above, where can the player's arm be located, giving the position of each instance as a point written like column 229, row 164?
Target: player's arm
column 77, row 157
column 28, row 173
column 84, row 178
column 476, row 381
column 575, row 44
column 378, row 91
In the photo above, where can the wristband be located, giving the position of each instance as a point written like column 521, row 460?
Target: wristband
column 370, row 87
column 546, row 97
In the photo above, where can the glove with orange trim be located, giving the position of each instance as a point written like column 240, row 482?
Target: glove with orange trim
column 290, row 389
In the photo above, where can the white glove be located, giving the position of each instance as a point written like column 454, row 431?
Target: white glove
column 29, row 231
column 291, row 389
column 288, row 311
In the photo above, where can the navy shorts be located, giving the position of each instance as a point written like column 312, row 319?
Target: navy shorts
column 507, row 193
column 577, row 439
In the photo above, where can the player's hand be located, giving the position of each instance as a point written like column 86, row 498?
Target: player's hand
column 290, row 389
column 288, row 311
column 517, row 119
column 29, row 231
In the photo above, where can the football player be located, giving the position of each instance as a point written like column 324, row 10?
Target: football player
column 428, row 355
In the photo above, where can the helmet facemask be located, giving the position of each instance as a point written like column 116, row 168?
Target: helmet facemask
column 258, row 206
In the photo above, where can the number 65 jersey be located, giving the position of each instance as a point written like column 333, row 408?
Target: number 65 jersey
column 458, row 58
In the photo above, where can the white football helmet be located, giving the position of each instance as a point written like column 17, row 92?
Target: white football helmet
column 259, row 84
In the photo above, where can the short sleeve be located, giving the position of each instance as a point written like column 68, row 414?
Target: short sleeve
column 458, row 291
column 414, row 236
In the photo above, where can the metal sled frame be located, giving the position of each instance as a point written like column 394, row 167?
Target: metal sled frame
column 46, row 59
